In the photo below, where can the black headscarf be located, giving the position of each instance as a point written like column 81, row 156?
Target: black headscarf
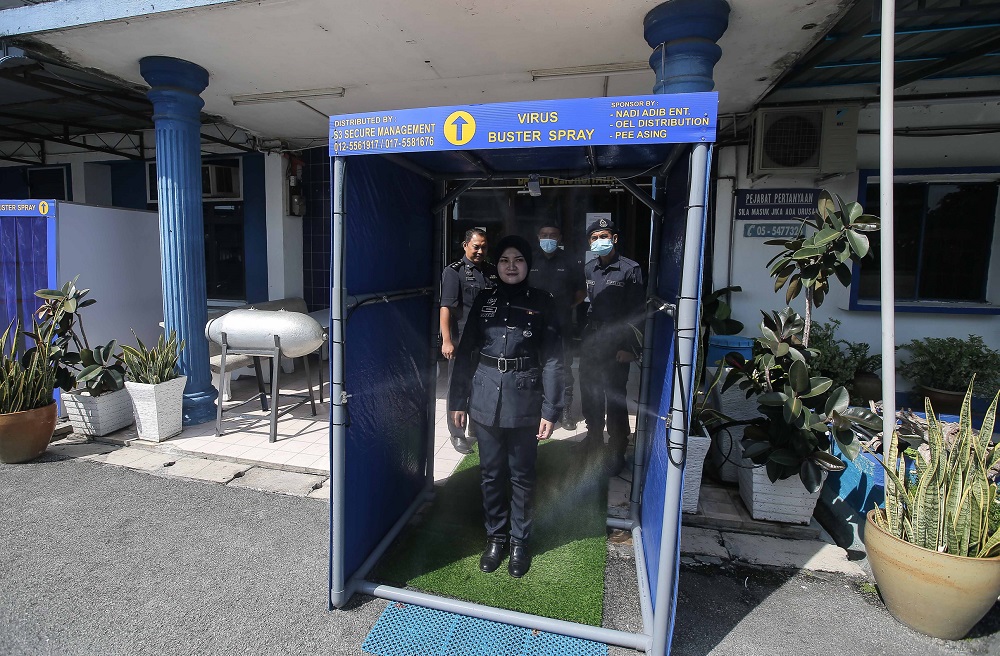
column 522, row 246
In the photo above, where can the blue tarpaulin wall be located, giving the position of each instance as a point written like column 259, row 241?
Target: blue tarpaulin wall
column 671, row 254
column 27, row 259
column 389, row 247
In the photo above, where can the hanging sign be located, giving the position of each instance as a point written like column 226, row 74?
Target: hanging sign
column 655, row 119
column 764, row 204
column 46, row 208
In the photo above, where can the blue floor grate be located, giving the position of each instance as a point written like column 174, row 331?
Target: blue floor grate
column 409, row 630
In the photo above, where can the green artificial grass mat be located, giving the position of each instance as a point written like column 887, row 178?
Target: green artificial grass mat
column 439, row 551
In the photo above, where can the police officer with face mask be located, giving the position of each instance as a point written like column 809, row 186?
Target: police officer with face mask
column 461, row 282
column 562, row 276
column 512, row 392
column 611, row 341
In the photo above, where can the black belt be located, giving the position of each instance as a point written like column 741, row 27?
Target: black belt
column 507, row 364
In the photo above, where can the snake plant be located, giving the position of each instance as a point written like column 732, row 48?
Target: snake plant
column 953, row 506
column 154, row 365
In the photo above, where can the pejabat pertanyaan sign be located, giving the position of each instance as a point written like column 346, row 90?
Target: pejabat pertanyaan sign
column 770, row 204
column 661, row 118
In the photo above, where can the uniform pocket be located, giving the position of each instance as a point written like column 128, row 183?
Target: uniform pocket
column 527, row 380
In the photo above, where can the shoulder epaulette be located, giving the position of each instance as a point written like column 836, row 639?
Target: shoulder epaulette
column 456, row 265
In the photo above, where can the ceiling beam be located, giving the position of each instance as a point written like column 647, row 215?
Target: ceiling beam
column 949, row 63
column 23, row 134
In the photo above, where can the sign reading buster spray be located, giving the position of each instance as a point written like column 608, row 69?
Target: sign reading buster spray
column 676, row 118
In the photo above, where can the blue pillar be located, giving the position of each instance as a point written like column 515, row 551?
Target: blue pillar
column 682, row 34
column 175, row 88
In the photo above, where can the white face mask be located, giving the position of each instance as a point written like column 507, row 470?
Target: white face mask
column 602, row 246
column 548, row 245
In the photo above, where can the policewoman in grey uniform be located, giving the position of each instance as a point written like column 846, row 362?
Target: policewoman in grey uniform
column 508, row 382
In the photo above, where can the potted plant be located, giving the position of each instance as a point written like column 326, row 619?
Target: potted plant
column 800, row 410
column 30, row 375
column 935, row 548
column 846, row 363
column 155, row 387
column 27, row 403
column 101, row 405
column 939, row 367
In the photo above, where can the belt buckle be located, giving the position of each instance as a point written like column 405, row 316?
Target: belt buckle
column 502, row 369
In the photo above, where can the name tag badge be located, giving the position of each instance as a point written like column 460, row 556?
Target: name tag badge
column 488, row 312
column 616, row 283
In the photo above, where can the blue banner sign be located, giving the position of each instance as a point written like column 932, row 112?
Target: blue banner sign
column 46, row 208
column 763, row 204
column 666, row 118
column 786, row 230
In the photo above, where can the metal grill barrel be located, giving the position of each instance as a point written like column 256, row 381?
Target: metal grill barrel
column 251, row 330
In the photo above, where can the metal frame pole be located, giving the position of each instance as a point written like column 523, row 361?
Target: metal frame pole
column 682, row 394
column 888, row 264
column 338, row 395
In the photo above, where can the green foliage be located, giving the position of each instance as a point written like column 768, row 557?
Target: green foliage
column 839, row 359
column 802, row 410
column 102, row 369
column 945, row 363
column 951, row 507
column 716, row 313
column 26, row 381
column 153, row 365
column 809, row 263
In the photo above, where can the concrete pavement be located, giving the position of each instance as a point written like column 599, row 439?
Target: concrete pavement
column 115, row 551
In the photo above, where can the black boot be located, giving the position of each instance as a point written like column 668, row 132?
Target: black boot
column 493, row 553
column 615, row 456
column 520, row 559
column 567, row 421
column 461, row 444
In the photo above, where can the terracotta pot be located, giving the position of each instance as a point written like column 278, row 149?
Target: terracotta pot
column 25, row 435
column 935, row 593
column 944, row 401
column 867, row 386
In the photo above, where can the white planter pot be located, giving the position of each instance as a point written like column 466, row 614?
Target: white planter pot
column 786, row 501
column 726, row 452
column 157, row 408
column 100, row 415
column 697, row 450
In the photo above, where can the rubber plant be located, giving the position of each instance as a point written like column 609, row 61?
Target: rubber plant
column 800, row 412
column 808, row 264
column 952, row 506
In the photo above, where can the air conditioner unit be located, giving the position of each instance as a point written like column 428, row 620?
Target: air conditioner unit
column 802, row 140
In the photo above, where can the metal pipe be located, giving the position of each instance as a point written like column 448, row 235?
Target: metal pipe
column 682, row 394
column 641, row 195
column 672, row 159
column 338, row 394
column 619, row 523
column 888, row 265
column 642, row 578
column 388, row 539
column 447, row 200
column 354, row 301
column 646, row 370
column 637, row 641
column 401, row 161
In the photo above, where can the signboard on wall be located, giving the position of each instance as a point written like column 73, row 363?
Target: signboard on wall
column 783, row 230
column 771, row 204
column 653, row 119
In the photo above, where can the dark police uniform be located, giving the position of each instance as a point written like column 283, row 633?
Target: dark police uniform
column 516, row 382
column 461, row 282
column 617, row 299
column 562, row 276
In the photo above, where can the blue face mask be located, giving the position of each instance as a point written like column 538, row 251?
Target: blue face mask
column 602, row 246
column 548, row 245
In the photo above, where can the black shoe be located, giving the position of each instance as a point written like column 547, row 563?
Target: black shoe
column 567, row 421
column 493, row 554
column 520, row 560
column 460, row 444
column 614, row 463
